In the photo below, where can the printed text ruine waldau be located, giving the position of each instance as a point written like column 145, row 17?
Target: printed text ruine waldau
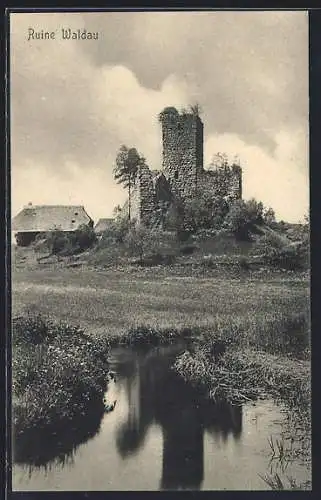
column 62, row 34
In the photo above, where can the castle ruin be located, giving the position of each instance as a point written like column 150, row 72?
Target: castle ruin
column 183, row 175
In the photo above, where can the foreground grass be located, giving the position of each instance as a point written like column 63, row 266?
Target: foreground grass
column 241, row 375
column 58, row 373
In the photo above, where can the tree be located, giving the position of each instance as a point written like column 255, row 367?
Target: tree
column 125, row 171
column 219, row 162
column 269, row 216
column 195, row 109
column 205, row 212
column 141, row 240
column 243, row 216
column 255, row 211
column 237, row 221
column 224, row 171
column 117, row 211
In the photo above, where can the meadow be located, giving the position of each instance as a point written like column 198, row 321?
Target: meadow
column 109, row 302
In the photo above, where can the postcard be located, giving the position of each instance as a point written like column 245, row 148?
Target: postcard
column 160, row 243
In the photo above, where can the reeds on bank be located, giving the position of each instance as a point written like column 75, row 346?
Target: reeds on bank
column 57, row 372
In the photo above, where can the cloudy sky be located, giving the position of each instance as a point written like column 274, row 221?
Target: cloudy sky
column 74, row 102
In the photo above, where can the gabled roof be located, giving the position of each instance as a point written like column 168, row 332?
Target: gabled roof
column 103, row 224
column 41, row 218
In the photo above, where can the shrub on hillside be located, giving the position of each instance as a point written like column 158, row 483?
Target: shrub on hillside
column 107, row 255
column 140, row 240
column 204, row 212
column 150, row 246
column 242, row 218
column 205, row 234
column 188, row 249
column 292, row 257
column 255, row 210
column 244, row 264
column 59, row 242
column 277, row 251
column 299, row 232
column 63, row 243
column 84, row 237
column 269, row 217
column 142, row 244
column 165, row 259
column 208, row 261
column 110, row 247
column 117, row 231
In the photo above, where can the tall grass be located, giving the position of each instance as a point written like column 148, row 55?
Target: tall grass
column 57, row 372
column 276, row 483
column 147, row 336
column 248, row 357
column 279, row 332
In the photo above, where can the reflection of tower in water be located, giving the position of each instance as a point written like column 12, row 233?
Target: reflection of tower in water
column 131, row 433
column 183, row 435
column 181, row 417
column 223, row 420
column 183, row 451
column 184, row 415
column 133, row 394
column 155, row 393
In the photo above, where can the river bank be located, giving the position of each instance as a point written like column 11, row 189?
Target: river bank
column 58, row 373
column 163, row 434
column 153, row 389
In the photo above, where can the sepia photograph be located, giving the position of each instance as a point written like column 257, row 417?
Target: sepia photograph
column 160, row 250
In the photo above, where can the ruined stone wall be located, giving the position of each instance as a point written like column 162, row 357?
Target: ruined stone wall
column 236, row 184
column 182, row 150
column 227, row 184
column 143, row 199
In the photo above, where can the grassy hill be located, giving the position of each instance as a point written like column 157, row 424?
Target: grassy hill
column 203, row 251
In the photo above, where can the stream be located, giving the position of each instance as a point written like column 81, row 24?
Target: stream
column 163, row 434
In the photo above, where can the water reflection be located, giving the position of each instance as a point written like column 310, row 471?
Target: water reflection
column 48, row 447
column 157, row 395
column 150, row 397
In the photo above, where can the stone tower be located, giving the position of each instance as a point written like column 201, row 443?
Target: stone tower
column 182, row 150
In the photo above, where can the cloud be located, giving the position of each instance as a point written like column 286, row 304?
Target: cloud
column 40, row 186
column 247, row 69
column 73, row 103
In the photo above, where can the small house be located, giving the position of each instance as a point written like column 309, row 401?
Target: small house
column 103, row 225
column 34, row 220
